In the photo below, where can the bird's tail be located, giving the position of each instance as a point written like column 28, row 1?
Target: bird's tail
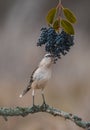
column 25, row 91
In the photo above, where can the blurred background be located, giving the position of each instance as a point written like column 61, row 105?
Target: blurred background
column 69, row 88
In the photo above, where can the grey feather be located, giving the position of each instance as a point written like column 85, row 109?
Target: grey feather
column 29, row 86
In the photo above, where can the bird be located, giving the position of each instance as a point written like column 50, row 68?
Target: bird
column 40, row 76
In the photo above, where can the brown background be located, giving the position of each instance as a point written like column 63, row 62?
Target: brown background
column 69, row 88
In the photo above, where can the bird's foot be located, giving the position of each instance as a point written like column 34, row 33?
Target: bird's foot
column 34, row 108
column 44, row 106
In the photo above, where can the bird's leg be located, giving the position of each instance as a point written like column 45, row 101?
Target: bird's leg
column 33, row 94
column 34, row 107
column 44, row 105
column 44, row 102
column 43, row 97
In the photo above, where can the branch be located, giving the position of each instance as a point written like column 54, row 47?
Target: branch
column 19, row 111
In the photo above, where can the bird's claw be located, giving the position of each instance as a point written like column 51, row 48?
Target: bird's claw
column 44, row 106
column 34, row 108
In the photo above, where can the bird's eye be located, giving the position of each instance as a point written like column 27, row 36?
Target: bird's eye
column 48, row 56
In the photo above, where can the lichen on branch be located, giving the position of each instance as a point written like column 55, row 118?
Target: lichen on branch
column 24, row 111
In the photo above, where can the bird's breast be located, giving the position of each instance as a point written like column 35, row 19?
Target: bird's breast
column 41, row 77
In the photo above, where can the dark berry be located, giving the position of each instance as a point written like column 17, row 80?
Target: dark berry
column 55, row 43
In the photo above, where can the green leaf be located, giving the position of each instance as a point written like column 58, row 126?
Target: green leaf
column 56, row 24
column 50, row 16
column 69, row 15
column 68, row 28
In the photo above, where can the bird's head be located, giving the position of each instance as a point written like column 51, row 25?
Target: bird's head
column 47, row 60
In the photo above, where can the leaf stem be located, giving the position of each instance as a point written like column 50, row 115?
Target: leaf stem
column 59, row 9
column 60, row 1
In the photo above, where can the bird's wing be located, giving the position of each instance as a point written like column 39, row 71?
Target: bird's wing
column 29, row 85
column 38, row 74
column 32, row 78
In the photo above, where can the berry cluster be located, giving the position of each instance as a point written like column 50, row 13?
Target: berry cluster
column 55, row 43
